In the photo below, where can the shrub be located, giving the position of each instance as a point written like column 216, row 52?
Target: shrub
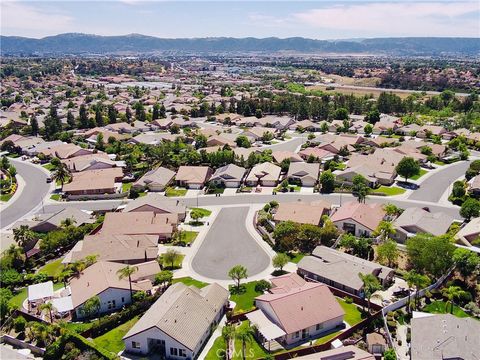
column 266, row 208
column 348, row 300
column 19, row 324
column 262, row 286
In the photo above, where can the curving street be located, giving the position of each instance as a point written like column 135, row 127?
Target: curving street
column 31, row 196
column 227, row 244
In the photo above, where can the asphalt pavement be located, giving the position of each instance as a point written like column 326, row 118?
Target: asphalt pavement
column 228, row 243
column 433, row 187
column 31, row 196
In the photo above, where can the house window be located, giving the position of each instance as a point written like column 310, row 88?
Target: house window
column 297, row 334
column 111, row 304
column 319, row 326
column 160, row 342
column 174, row 351
column 135, row 345
column 123, row 299
column 182, row 353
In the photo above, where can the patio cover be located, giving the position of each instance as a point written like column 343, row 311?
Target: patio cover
column 40, row 291
column 269, row 330
column 63, row 304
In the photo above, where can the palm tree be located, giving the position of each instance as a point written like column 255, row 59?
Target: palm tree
column 49, row 307
column 127, row 271
column 77, row 267
column 61, row 174
column 370, row 285
column 244, row 335
column 15, row 253
column 228, row 333
column 65, row 275
column 385, row 229
column 90, row 260
column 453, row 293
column 68, row 222
column 23, row 236
column 419, row 281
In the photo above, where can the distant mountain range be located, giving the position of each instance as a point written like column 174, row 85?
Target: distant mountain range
column 74, row 43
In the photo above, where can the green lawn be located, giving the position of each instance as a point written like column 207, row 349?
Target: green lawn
column 244, row 301
column 78, row 327
column 439, row 162
column 112, row 340
column 202, row 211
column 176, row 265
column 422, row 172
column 353, row 315
column 390, row 190
column 296, row 188
column 190, row 281
column 442, row 307
column 53, row 268
column 56, row 197
column 295, row 258
column 49, row 166
column 126, row 187
column 172, row 192
column 5, row 197
column 253, row 349
column 188, row 236
column 20, row 297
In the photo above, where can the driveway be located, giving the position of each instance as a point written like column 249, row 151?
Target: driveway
column 31, row 196
column 433, row 187
column 228, row 243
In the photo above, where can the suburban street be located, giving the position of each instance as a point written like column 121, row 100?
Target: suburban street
column 227, row 244
column 434, row 186
column 31, row 194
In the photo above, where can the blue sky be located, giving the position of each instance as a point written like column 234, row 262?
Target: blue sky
column 174, row 19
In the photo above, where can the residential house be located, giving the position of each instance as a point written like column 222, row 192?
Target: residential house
column 302, row 212
column 279, row 156
column 474, row 186
column 256, row 133
column 193, row 177
column 157, row 204
column 140, row 223
column 155, row 180
column 65, row 151
column 427, row 130
column 294, row 313
column 264, row 174
column 335, row 143
column 444, row 336
column 95, row 182
column 348, row 352
column 307, row 125
column 179, row 323
column 230, row 176
column 357, row 218
column 101, row 279
column 119, row 248
column 386, row 124
column 416, row 220
column 470, row 233
column 304, row 173
column 53, row 221
column 94, row 161
column 316, row 153
column 340, row 270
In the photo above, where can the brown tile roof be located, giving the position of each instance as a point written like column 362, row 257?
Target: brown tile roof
column 368, row 215
column 302, row 212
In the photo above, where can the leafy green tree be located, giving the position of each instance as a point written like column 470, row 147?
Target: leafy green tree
column 243, row 142
column 430, row 254
column 23, row 236
column 83, row 117
column 408, row 167
column 388, row 252
column 34, row 125
column 389, row 354
column 419, row 281
column 373, row 116
column 280, row 260
column 340, row 114
column 384, row 229
column 470, row 208
column 360, row 188
column 285, row 235
column 127, row 272
column 5, row 306
column 91, row 307
column 368, row 129
column 237, row 273
column 170, row 257
column 392, row 210
column 453, row 294
column 327, row 182
column 466, row 261
column 164, row 278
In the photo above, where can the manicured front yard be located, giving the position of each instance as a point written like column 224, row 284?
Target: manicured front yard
column 78, row 327
column 176, row 265
column 49, row 166
column 172, row 192
column 353, row 315
column 422, row 172
column 112, row 340
column 190, row 281
column 126, row 187
column 390, row 190
column 244, row 300
column 188, row 237
column 202, row 211
column 55, row 197
column 53, row 268
column 442, row 307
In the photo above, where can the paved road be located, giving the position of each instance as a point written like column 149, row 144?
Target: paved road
column 433, row 187
column 227, row 244
column 31, row 196
column 247, row 199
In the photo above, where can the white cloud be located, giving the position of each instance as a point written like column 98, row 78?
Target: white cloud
column 20, row 19
column 398, row 18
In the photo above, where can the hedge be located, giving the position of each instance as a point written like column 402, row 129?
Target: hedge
column 57, row 349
